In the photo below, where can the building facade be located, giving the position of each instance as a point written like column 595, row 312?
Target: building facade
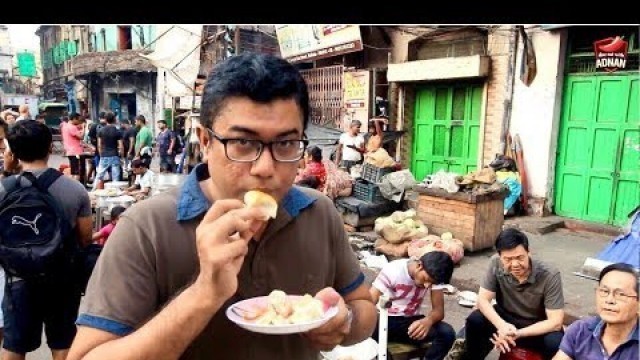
column 580, row 123
column 59, row 44
column 116, row 76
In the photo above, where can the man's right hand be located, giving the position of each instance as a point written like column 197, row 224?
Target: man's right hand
column 222, row 242
column 507, row 329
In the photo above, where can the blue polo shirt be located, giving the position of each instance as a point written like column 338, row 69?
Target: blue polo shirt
column 583, row 341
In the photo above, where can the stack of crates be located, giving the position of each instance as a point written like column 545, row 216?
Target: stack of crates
column 366, row 188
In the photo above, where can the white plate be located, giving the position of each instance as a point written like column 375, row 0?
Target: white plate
column 365, row 350
column 108, row 192
column 466, row 303
column 467, row 298
column 261, row 301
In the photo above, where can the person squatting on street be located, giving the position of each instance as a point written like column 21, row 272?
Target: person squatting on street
column 407, row 282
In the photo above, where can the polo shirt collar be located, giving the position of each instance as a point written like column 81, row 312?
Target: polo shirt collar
column 597, row 327
column 192, row 202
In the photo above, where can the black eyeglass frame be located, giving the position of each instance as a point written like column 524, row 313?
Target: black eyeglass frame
column 224, row 141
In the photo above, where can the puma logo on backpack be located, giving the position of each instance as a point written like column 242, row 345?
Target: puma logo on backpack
column 35, row 236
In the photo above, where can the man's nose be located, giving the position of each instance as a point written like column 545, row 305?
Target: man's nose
column 264, row 166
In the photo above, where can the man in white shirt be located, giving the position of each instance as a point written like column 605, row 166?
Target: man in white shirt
column 350, row 146
column 406, row 282
column 144, row 179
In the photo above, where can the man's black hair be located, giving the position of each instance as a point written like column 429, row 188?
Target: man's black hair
column 162, row 122
column 30, row 140
column 262, row 78
column 141, row 119
column 139, row 163
column 510, row 238
column 102, row 114
column 622, row 267
column 438, row 265
column 110, row 117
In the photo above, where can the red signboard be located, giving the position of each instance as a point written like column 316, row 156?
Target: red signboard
column 611, row 53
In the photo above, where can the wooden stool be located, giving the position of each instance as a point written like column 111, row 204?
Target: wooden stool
column 399, row 351
column 518, row 353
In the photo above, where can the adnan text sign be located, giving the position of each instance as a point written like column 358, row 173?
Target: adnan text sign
column 611, row 54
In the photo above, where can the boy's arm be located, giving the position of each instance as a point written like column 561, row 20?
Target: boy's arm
column 437, row 308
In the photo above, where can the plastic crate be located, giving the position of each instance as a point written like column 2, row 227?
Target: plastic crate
column 374, row 174
column 367, row 191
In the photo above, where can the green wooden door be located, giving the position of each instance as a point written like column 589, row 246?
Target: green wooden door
column 446, row 126
column 597, row 167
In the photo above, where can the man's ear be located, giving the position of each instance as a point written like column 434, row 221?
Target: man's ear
column 203, row 136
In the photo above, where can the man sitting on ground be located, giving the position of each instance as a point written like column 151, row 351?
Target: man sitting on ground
column 613, row 334
column 529, row 309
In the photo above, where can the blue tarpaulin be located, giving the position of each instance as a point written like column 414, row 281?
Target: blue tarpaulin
column 625, row 248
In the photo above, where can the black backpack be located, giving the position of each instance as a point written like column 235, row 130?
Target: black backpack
column 35, row 237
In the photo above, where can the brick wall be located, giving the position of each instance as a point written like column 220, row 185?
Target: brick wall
column 498, row 50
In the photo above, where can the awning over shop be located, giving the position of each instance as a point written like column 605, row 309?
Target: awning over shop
column 440, row 69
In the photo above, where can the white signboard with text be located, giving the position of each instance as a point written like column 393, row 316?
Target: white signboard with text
column 311, row 42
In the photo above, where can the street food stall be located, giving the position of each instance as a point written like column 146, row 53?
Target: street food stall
column 470, row 207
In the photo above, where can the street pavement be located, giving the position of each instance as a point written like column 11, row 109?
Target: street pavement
column 562, row 248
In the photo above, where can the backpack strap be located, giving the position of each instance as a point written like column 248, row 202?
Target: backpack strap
column 9, row 184
column 47, row 178
column 44, row 181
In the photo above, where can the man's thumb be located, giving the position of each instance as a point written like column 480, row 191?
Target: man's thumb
column 328, row 296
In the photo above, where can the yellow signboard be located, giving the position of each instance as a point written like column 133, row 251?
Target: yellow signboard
column 310, row 42
column 356, row 97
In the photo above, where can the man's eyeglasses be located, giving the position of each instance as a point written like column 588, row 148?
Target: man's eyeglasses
column 249, row 150
column 618, row 295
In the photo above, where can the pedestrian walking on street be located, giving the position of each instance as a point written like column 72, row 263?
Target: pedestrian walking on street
column 166, row 143
column 144, row 137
